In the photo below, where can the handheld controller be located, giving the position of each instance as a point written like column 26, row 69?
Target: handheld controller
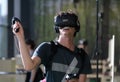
column 13, row 22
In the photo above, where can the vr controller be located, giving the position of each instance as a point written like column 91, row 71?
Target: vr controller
column 13, row 22
column 66, row 19
column 71, row 76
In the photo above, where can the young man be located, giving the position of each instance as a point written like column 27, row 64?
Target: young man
column 66, row 60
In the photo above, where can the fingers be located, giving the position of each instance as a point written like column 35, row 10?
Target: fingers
column 17, row 27
column 18, row 30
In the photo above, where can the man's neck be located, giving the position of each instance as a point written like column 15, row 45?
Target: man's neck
column 67, row 42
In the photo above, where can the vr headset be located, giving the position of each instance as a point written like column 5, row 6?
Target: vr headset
column 66, row 19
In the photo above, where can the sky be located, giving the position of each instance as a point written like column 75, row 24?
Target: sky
column 3, row 4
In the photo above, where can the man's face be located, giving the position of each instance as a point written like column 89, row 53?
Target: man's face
column 67, row 31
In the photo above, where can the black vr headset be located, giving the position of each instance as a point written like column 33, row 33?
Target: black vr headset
column 66, row 19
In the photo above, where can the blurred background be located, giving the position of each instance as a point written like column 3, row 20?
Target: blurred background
column 37, row 18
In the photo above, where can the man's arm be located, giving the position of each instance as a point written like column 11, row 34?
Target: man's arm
column 28, row 63
column 82, row 78
column 33, row 73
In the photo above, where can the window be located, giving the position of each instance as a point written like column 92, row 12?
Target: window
column 3, row 28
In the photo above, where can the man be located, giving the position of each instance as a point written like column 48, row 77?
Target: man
column 66, row 60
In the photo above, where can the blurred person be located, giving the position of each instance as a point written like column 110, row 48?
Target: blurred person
column 83, row 43
column 68, row 59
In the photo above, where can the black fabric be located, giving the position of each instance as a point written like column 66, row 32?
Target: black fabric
column 62, row 57
column 80, row 52
column 39, row 75
column 28, row 74
column 52, row 54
